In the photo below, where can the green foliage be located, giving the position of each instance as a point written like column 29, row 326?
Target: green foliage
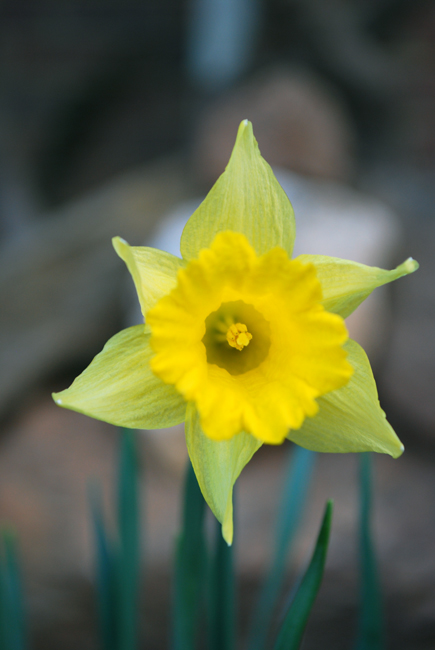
column 371, row 633
column 105, row 574
column 117, row 560
column 293, row 499
column 221, row 596
column 292, row 630
column 12, row 620
column 204, row 580
column 190, row 575
column 190, row 567
column 128, row 567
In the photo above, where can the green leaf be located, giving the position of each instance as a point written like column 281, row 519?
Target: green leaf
column 105, row 573
column 119, row 387
column 371, row 632
column 217, row 465
column 350, row 418
column 346, row 284
column 118, row 565
column 13, row 633
column 154, row 272
column 190, row 567
column 294, row 493
column 296, row 619
column 248, row 199
column 129, row 549
column 221, row 597
column 4, row 608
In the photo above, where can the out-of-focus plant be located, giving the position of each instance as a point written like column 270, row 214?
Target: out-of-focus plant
column 204, row 580
column 13, row 627
column 371, row 629
column 118, row 557
column 293, row 501
column 292, row 630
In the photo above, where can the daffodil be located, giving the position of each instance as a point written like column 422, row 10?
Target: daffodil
column 244, row 344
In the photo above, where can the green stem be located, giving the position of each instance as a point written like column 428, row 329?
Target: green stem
column 371, row 632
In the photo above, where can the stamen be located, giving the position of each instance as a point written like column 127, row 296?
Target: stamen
column 238, row 336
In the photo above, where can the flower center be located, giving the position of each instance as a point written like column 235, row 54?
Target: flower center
column 238, row 336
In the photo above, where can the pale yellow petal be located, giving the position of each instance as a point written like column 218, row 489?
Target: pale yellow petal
column 154, row 272
column 350, row 419
column 119, row 387
column 217, row 466
column 248, row 199
column 346, row 284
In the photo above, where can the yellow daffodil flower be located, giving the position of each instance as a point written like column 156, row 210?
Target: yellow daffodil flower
column 241, row 342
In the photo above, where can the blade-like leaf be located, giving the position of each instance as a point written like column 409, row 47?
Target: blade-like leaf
column 298, row 477
column 12, row 620
column 292, row 630
column 190, row 567
column 17, row 618
column 221, row 596
column 128, row 560
column 4, row 608
column 371, row 633
column 105, row 573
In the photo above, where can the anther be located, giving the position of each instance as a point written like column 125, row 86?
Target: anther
column 238, row 336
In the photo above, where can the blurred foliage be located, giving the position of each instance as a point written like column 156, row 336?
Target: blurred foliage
column 204, row 585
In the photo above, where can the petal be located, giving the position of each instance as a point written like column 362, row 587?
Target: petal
column 347, row 284
column 119, row 387
column 350, row 418
column 154, row 272
column 217, row 465
column 247, row 198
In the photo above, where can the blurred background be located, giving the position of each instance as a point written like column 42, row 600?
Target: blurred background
column 115, row 119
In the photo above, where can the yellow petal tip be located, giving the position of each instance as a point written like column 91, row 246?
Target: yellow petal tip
column 398, row 449
column 227, row 524
column 227, row 532
column 410, row 265
column 118, row 243
column 245, row 130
